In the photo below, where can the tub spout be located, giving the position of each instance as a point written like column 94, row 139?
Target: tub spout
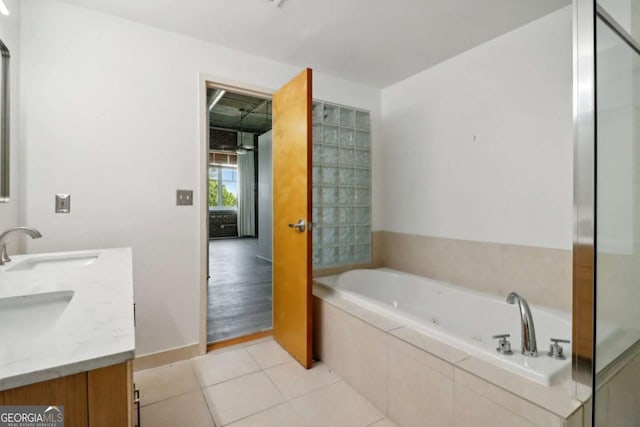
column 529, row 345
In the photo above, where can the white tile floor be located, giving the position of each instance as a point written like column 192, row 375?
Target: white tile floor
column 252, row 385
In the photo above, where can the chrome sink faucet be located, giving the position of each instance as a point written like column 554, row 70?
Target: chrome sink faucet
column 30, row 231
column 529, row 345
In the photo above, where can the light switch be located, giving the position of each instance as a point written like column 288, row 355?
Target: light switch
column 184, row 197
column 63, row 203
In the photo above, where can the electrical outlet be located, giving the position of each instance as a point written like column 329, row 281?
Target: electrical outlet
column 63, row 203
column 184, row 197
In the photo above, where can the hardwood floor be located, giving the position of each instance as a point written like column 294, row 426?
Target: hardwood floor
column 239, row 292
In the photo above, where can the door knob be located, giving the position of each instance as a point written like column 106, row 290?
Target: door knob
column 299, row 225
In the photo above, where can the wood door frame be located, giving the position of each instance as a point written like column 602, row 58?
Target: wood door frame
column 205, row 82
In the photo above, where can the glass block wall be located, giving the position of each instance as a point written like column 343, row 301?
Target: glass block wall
column 341, row 186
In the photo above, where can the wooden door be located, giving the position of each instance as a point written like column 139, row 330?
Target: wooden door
column 292, row 130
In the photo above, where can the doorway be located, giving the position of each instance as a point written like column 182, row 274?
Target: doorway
column 291, row 211
column 239, row 218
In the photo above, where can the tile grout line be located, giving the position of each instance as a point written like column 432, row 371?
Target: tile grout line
column 185, row 393
column 169, row 398
column 179, row 394
column 233, row 378
column 511, row 411
column 340, row 380
column 285, row 401
column 260, row 369
column 148, row 370
column 329, row 369
column 267, row 367
column 387, row 355
column 309, row 392
column 206, row 402
column 377, row 421
column 202, row 387
column 517, row 394
column 255, row 413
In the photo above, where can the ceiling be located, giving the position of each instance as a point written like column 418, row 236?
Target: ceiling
column 374, row 42
column 239, row 112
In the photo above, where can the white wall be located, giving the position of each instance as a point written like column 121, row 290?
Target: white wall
column 513, row 184
column 10, row 35
column 265, row 201
column 111, row 117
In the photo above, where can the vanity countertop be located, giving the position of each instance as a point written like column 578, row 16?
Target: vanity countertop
column 93, row 330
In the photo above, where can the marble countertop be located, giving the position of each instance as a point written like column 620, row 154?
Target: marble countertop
column 96, row 329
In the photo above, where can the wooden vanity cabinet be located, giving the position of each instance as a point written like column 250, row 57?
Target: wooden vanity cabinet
column 70, row 391
column 110, row 395
column 98, row 398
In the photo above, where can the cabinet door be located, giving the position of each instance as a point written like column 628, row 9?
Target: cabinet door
column 70, row 392
column 110, row 396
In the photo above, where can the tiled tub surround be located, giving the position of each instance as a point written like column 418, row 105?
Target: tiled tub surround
column 419, row 381
column 617, row 397
column 541, row 275
column 459, row 317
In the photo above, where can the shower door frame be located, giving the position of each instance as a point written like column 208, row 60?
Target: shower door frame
column 584, row 194
column 585, row 120
column 584, row 197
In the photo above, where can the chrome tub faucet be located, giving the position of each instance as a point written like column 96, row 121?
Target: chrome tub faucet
column 529, row 345
column 30, row 231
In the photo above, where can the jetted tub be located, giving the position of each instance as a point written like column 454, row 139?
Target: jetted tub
column 459, row 317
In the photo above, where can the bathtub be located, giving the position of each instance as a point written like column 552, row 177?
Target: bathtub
column 459, row 317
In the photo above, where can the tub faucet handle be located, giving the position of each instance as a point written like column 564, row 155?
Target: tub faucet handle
column 555, row 349
column 504, row 345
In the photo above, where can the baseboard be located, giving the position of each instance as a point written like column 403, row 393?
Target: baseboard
column 239, row 340
column 165, row 357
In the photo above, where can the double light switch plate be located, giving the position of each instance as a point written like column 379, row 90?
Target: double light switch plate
column 184, row 197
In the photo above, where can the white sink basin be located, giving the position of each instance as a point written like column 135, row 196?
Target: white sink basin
column 25, row 317
column 47, row 262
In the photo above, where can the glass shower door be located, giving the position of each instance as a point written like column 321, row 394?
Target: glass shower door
column 617, row 233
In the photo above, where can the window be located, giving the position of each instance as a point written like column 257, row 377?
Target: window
column 223, row 196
